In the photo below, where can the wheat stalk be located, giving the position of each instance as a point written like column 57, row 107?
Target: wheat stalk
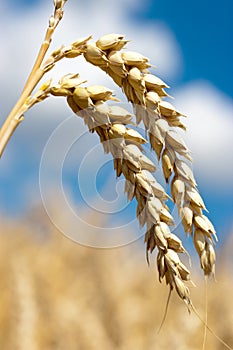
column 146, row 92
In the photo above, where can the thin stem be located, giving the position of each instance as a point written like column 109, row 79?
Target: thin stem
column 43, row 50
column 16, row 114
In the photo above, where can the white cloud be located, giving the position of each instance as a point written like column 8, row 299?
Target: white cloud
column 209, row 134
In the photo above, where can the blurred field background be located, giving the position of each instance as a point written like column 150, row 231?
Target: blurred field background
column 56, row 294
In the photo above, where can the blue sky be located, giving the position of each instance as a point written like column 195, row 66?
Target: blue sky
column 204, row 31
column 191, row 44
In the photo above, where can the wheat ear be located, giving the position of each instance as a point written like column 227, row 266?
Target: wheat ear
column 146, row 92
column 126, row 146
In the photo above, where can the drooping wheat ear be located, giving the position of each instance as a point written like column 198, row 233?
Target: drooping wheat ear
column 146, row 92
column 125, row 145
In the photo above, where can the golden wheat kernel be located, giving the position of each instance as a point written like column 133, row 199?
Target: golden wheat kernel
column 120, row 114
column 133, row 165
column 141, row 214
column 152, row 217
column 177, row 188
column 102, row 107
column 175, row 141
column 177, row 123
column 115, row 76
column 211, row 255
column 93, row 51
column 156, row 204
column 95, row 56
column 199, row 239
column 135, row 79
column 118, row 167
column 109, row 41
column 71, row 81
column 81, row 93
column 58, row 91
column 181, row 289
column 166, row 217
column 140, row 94
column 175, row 243
column 143, row 185
column 132, row 151
column 187, row 218
column 75, row 108
column 194, row 196
column 99, row 92
column 202, row 224
column 209, row 223
column 132, row 58
column 159, row 238
column 204, row 262
column 152, row 99
column 163, row 126
column 130, row 190
column 184, row 272
column 172, row 257
column 159, row 191
column 115, row 59
column 81, row 41
column 153, row 82
column 72, row 53
column 162, row 268
column 185, row 171
column 147, row 164
column 102, row 120
column 165, row 229
column 117, row 130
column 169, row 152
column 156, row 145
column 168, row 110
column 148, row 176
column 134, row 136
column 117, row 72
column 167, row 167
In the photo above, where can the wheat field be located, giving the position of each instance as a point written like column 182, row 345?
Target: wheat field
column 56, row 294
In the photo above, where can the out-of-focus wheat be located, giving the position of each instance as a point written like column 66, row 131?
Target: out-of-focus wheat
column 70, row 297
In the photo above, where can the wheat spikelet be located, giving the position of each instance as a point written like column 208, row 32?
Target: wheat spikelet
column 145, row 91
column 125, row 145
